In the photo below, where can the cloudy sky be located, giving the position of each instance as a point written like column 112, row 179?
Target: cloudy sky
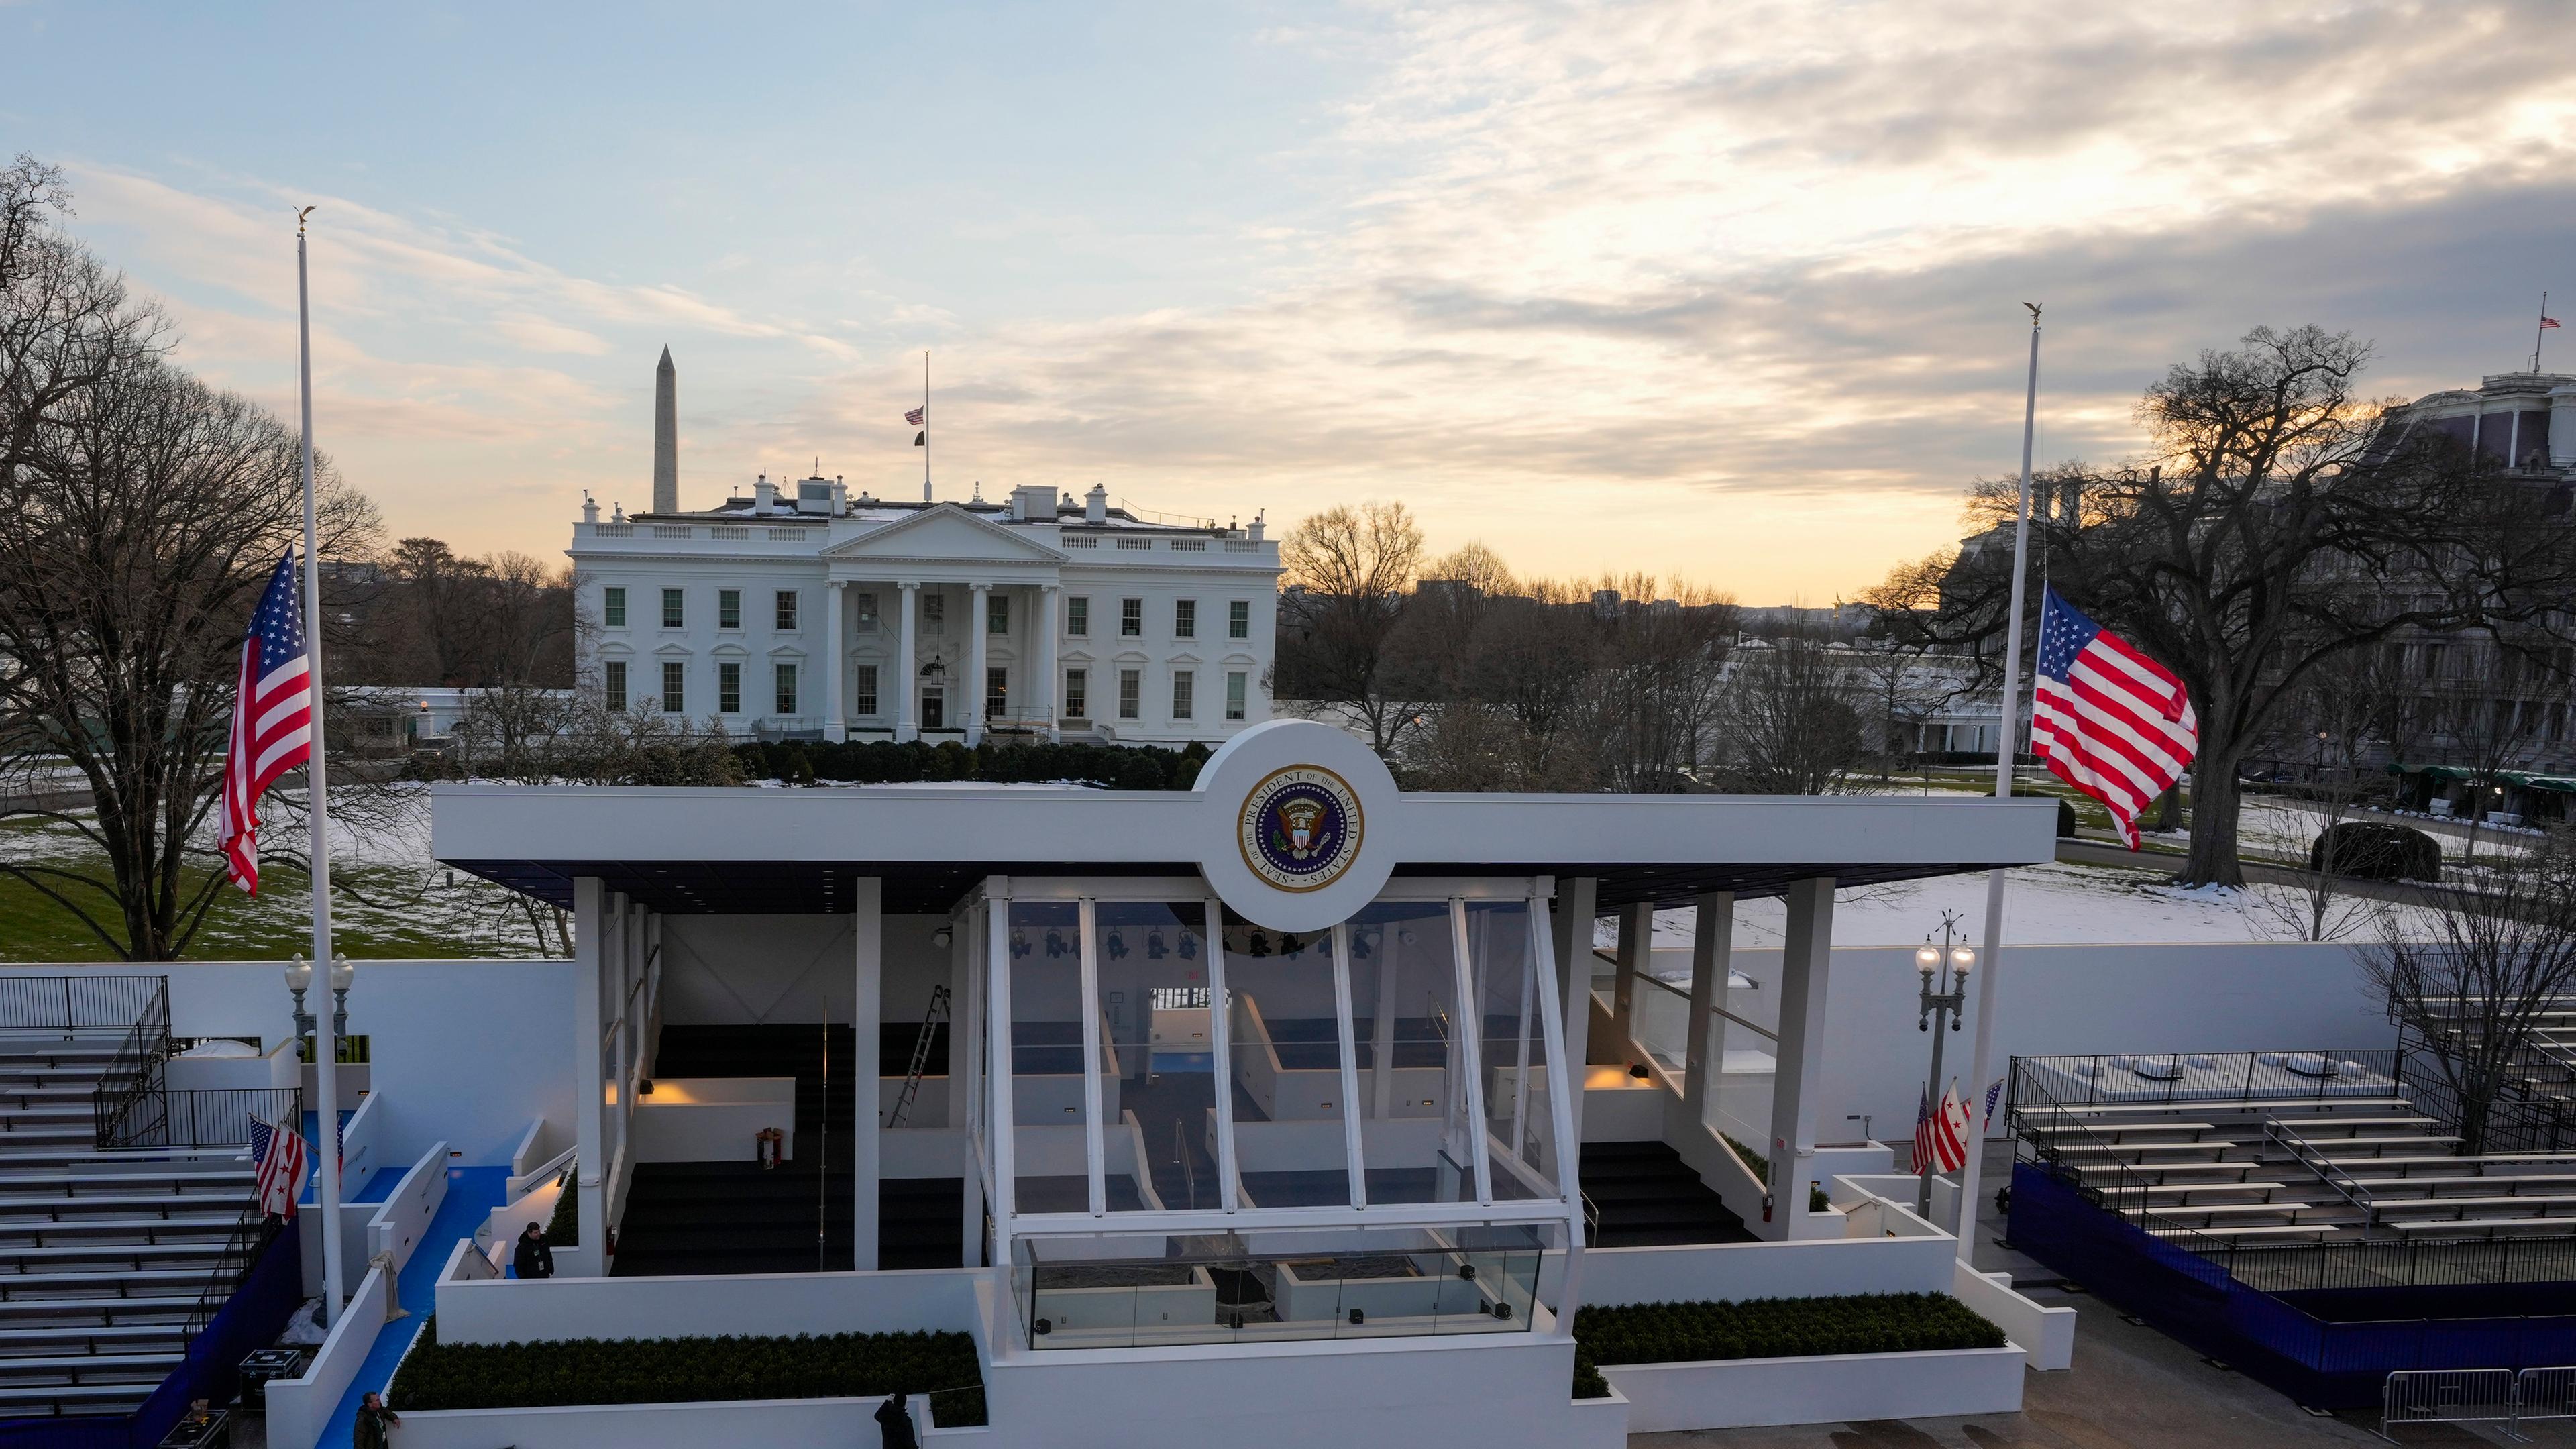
column 1724, row 291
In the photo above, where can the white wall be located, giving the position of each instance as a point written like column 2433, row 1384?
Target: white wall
column 504, row 1310
column 1728, row 1272
column 467, row 1051
column 299, row 1409
column 1825, row 1389
column 769, row 1423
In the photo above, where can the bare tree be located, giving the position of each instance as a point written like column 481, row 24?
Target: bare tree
column 2332, row 716
column 2500, row 954
column 140, row 515
column 2261, row 538
column 1789, row 719
column 1660, row 665
column 1348, row 572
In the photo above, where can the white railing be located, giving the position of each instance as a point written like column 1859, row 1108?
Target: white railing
column 674, row 530
column 1081, row 540
column 728, row 530
column 613, row 530
column 786, row 535
column 1240, row 545
column 1136, row 543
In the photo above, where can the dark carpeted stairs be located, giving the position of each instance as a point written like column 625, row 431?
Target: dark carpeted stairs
column 1649, row 1198
column 733, row 1217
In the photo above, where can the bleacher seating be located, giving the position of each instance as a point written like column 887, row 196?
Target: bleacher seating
column 108, row 1260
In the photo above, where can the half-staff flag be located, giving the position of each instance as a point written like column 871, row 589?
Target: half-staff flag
column 272, row 729
column 2105, row 718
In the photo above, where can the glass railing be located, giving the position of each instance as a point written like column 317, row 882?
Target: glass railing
column 1385, row 1283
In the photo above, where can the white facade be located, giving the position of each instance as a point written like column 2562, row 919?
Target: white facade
column 823, row 616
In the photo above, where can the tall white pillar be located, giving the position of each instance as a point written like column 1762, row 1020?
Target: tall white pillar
column 907, row 669
column 1046, row 630
column 1571, row 922
column 867, row 934
column 1712, row 949
column 836, row 709
column 978, row 634
column 966, row 1092
column 597, row 921
column 1806, row 968
column 1636, row 953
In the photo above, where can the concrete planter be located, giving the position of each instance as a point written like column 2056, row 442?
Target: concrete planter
column 730, row 1424
column 1740, row 1393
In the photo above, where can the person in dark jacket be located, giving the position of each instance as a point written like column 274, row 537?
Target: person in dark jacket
column 373, row 1420
column 896, row 1421
column 535, row 1258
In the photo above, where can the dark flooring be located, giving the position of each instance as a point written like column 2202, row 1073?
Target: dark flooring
column 735, row 1217
column 1649, row 1198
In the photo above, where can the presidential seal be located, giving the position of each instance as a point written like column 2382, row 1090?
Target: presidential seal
column 1300, row 828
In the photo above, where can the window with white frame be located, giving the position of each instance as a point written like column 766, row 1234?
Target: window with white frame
column 997, row 614
column 1238, row 619
column 1184, row 693
column 1236, row 686
column 786, row 694
column 866, row 609
column 786, row 615
column 1131, row 693
column 612, row 607
column 997, row 692
column 728, row 687
column 1185, row 618
column 863, row 684
column 675, row 687
column 728, row 608
column 1131, row 618
column 1077, row 694
column 1077, row 616
column 934, row 613
column 674, row 609
column 612, row 681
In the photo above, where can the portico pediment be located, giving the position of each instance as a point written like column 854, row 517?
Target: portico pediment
column 943, row 535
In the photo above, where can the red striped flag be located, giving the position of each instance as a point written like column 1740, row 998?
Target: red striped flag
column 272, row 729
column 280, row 1155
column 2105, row 718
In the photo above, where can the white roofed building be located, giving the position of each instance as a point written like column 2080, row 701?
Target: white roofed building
column 807, row 611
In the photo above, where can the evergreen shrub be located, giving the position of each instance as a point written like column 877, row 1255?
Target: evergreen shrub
column 1771, row 1328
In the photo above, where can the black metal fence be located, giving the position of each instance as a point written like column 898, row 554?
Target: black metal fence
column 2527, row 1114
column 215, row 1117
column 84, row 1003
column 2144, row 1077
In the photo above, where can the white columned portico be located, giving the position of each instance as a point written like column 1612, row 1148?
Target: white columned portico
column 1712, row 950
column 1806, row 968
column 836, row 711
column 906, row 668
column 1048, row 683
column 978, row 634
column 867, row 934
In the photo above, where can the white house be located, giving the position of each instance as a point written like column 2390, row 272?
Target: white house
column 815, row 614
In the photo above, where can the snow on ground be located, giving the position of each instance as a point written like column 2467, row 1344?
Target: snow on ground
column 2056, row 904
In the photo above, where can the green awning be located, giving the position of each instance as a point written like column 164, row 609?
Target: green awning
column 2453, row 773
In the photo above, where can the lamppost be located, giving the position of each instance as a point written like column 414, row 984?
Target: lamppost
column 343, row 972
column 299, row 979
column 1948, row 964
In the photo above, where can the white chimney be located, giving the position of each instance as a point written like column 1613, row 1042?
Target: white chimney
column 589, row 507
column 840, row 496
column 1095, row 505
column 620, row 515
column 1033, row 504
column 764, row 495
column 1255, row 530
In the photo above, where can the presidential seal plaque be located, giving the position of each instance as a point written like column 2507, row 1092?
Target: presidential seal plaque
column 1300, row 828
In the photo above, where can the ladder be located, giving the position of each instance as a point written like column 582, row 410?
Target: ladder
column 920, row 1055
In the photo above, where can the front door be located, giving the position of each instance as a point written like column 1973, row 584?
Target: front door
column 934, row 713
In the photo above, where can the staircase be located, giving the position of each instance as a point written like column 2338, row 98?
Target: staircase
column 109, row 1261
column 735, row 1217
column 1647, row 1197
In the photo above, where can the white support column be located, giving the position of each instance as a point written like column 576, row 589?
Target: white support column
column 836, row 709
column 1712, row 950
column 597, row 921
column 867, row 935
column 1806, row 968
column 966, row 1092
column 1636, row 953
column 1570, row 925
column 978, row 635
column 1047, row 689
column 907, row 668
column 1004, row 1123
column 1088, row 923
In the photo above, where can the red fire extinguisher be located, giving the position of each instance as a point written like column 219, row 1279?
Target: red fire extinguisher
column 1766, row 1207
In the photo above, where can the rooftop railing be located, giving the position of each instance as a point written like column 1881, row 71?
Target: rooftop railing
column 84, row 1003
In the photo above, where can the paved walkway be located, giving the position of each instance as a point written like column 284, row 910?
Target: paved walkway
column 472, row 1193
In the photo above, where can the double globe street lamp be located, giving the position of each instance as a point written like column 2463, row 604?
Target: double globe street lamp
column 1947, row 966
column 299, row 979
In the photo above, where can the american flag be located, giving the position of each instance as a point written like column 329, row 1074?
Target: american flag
column 1941, row 1132
column 2105, row 718
column 914, row 417
column 272, row 729
column 281, row 1159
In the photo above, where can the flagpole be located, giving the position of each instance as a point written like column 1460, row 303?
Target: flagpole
column 2539, row 330
column 326, row 1046
column 925, row 425
column 1980, row 1058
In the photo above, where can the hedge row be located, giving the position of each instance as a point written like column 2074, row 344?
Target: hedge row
column 886, row 762
column 691, row 1370
column 1816, row 1200
column 1770, row 1328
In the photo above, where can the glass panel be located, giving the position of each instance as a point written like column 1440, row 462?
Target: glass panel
column 1404, row 1002
column 1158, row 1075
column 1285, row 1037
column 1050, row 1170
column 1275, row 1286
column 1518, row 1122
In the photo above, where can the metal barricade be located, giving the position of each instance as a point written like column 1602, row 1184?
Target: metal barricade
column 2545, row 1393
column 2447, row 1396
